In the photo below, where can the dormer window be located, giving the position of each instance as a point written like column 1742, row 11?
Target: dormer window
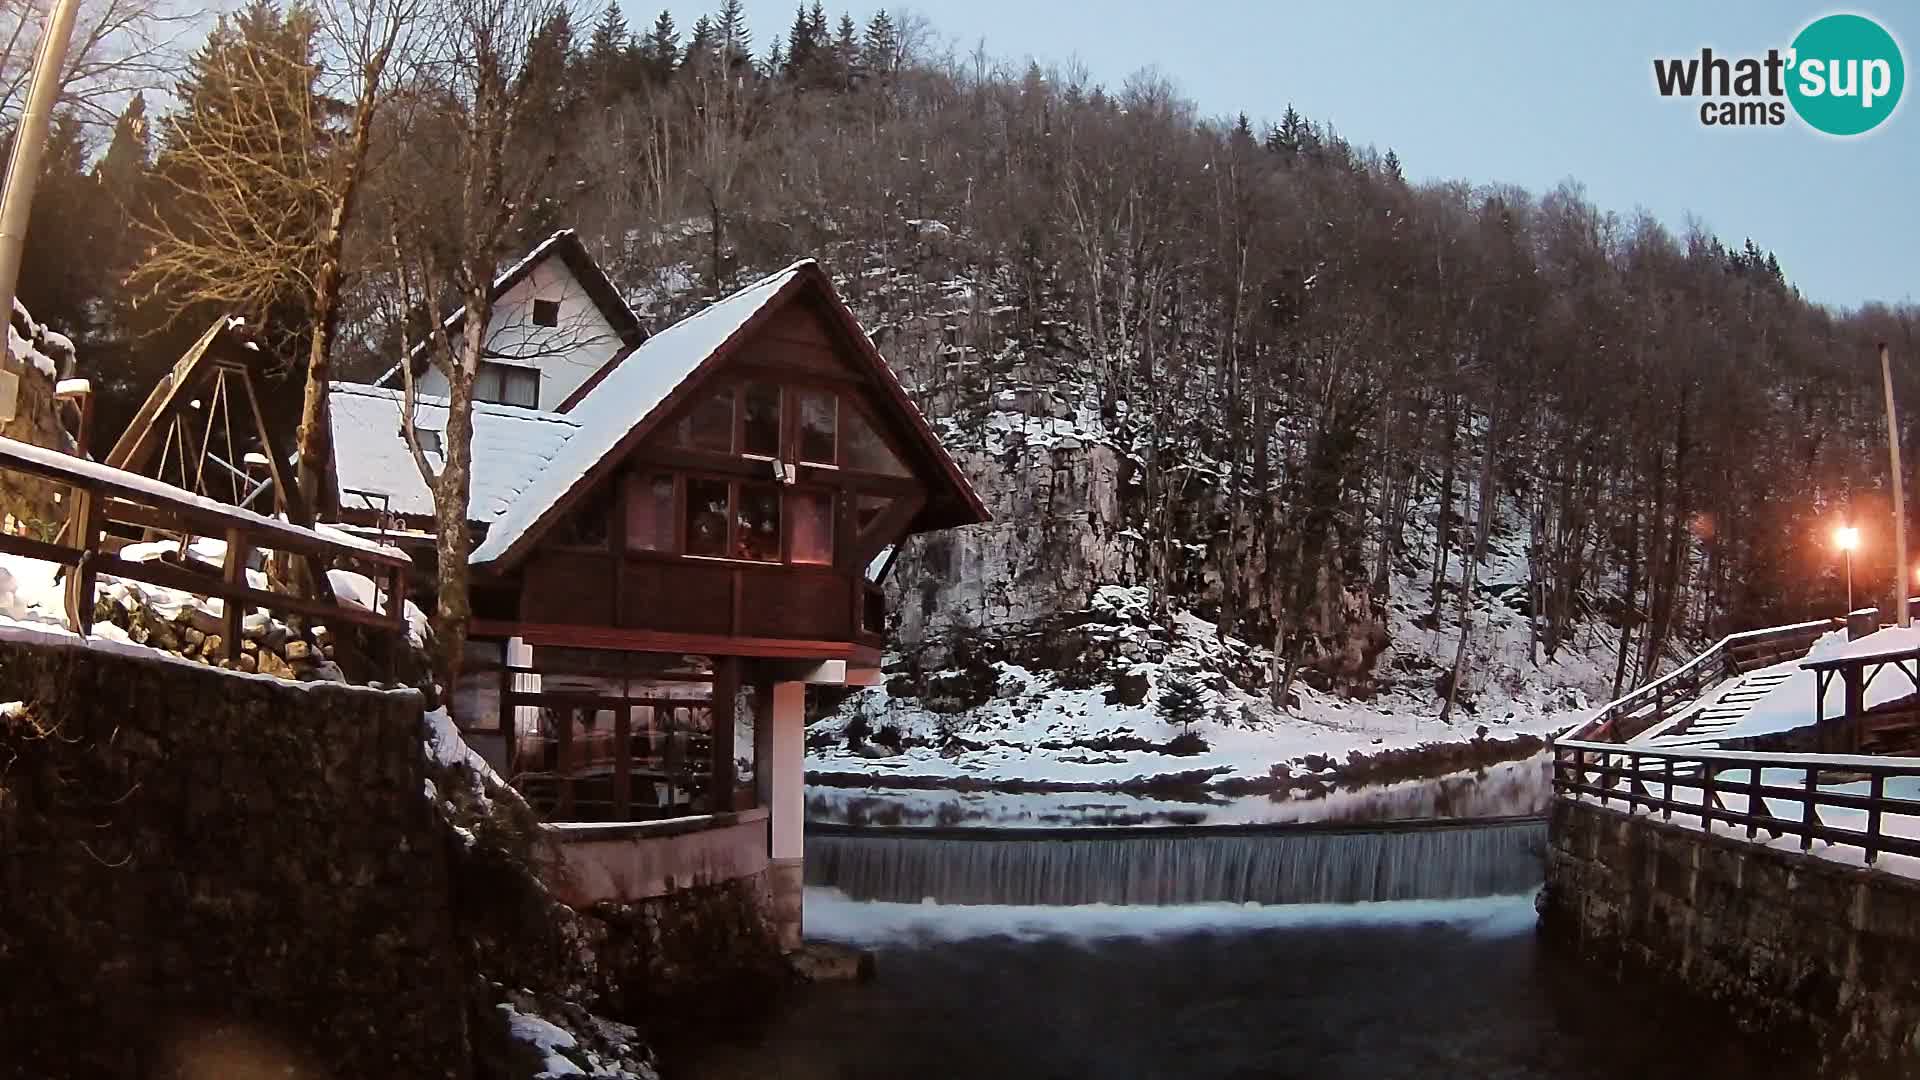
column 546, row 313
column 507, row 384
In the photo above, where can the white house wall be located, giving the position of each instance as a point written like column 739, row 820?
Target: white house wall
column 566, row 355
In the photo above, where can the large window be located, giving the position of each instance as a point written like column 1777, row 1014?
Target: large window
column 507, row 384
column 756, row 531
column 709, row 424
column 760, row 420
column 812, row 527
column 650, row 512
column 707, row 517
column 817, row 414
column 590, row 523
column 807, row 425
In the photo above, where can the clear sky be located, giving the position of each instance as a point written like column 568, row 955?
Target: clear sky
column 1522, row 93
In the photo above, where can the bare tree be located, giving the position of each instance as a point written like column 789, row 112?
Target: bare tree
column 474, row 156
column 264, row 185
column 364, row 38
column 118, row 47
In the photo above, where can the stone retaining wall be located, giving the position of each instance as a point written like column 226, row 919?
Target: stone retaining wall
column 1793, row 946
column 209, row 874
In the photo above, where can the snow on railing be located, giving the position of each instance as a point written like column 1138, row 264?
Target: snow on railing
column 98, row 495
column 1687, row 679
column 1810, row 796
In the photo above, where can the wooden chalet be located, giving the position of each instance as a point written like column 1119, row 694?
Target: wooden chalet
column 696, row 531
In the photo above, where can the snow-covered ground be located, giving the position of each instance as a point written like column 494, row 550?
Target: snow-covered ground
column 1036, row 730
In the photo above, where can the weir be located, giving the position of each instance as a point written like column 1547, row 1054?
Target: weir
column 1267, row 864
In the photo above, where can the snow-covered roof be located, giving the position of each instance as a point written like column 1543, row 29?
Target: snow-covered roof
column 511, row 446
column 630, row 392
column 1887, row 642
column 565, row 244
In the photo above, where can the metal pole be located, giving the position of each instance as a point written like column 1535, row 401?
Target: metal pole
column 1899, row 492
column 29, row 144
column 1849, row 582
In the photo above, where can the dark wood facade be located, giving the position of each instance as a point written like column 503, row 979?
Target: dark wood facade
column 756, row 518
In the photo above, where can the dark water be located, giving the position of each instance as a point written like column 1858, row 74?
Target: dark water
column 1455, row 989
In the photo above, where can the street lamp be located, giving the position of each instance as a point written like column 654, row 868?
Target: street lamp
column 1846, row 538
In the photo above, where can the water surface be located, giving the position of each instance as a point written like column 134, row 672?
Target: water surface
column 1424, row 989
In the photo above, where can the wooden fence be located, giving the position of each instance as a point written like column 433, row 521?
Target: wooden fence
column 1733, row 655
column 1698, row 784
column 98, row 497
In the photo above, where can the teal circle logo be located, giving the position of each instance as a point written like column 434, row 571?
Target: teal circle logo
column 1847, row 74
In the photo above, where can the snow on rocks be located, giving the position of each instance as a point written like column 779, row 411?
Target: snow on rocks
column 1100, row 726
column 170, row 621
column 596, row 1047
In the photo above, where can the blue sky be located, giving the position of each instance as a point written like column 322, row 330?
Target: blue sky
column 1528, row 94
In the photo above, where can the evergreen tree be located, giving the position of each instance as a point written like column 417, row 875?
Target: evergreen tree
column 776, row 65
column 123, row 169
column 607, row 54
column 1180, row 703
column 702, row 44
column 241, row 162
column 733, row 37
column 662, row 48
column 60, row 279
column 802, row 46
column 878, row 52
column 1391, row 166
column 846, row 44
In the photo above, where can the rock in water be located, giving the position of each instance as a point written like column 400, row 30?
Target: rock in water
column 822, row 961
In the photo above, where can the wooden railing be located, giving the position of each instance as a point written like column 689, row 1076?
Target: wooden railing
column 1735, row 788
column 1732, row 655
column 98, row 496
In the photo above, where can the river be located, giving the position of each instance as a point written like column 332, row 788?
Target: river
column 1412, row 989
column 1428, row 988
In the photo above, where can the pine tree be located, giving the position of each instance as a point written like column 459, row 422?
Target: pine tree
column 71, row 219
column 702, row 45
column 846, row 51
column 1180, row 703
column 1391, row 166
column 124, row 166
column 735, row 39
column 607, row 55
column 662, row 49
column 245, row 187
column 802, row 46
column 882, row 43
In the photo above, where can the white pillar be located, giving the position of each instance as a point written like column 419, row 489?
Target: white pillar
column 786, row 807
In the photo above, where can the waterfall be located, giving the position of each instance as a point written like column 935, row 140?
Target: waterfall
column 1285, row 864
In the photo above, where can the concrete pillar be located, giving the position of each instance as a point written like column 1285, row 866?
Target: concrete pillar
column 786, row 774
column 1862, row 622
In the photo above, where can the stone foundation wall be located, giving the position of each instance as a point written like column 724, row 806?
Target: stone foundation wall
column 1793, row 946
column 208, row 874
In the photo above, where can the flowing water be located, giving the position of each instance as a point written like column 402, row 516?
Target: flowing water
column 1286, row 864
column 1321, row 951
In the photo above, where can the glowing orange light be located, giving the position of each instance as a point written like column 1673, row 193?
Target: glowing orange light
column 1846, row 538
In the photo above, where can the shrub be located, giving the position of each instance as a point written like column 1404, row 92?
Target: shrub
column 1180, row 703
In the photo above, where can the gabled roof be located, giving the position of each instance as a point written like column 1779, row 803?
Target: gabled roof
column 566, row 246
column 510, row 447
column 634, row 395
